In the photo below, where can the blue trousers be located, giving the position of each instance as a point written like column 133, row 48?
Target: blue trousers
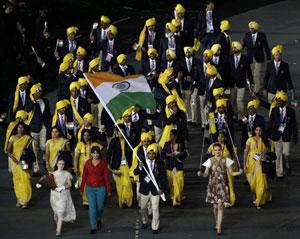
column 96, row 196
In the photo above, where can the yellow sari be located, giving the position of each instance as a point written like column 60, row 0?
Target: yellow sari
column 54, row 148
column 84, row 151
column 21, row 178
column 256, row 178
column 230, row 179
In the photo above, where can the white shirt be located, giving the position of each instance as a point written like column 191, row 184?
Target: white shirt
column 216, row 59
column 171, row 43
column 23, row 96
column 207, row 163
column 237, row 60
column 61, row 119
column 41, row 104
column 251, row 117
column 151, row 38
column 150, row 163
column 152, row 64
column 111, row 45
column 277, row 65
column 103, row 34
column 211, row 81
column 72, row 46
column 209, row 22
column 83, row 93
column 80, row 65
column 75, row 102
column 282, row 112
column 145, row 152
column 169, row 63
column 254, row 36
column 189, row 63
column 123, row 68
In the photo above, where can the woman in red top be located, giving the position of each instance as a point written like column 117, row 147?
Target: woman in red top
column 95, row 180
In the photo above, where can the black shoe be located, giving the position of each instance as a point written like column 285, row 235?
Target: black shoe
column 144, row 225
column 99, row 224
column 279, row 179
column 288, row 172
column 93, row 231
column 154, row 231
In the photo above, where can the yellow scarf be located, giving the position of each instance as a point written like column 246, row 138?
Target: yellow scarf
column 138, row 55
column 75, row 112
column 20, row 144
column 9, row 130
column 17, row 98
column 55, row 147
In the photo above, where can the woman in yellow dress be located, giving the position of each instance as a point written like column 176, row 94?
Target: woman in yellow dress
column 82, row 154
column 53, row 147
column 221, row 138
column 21, row 176
column 254, row 154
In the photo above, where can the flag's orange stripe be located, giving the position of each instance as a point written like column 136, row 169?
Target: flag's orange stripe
column 101, row 77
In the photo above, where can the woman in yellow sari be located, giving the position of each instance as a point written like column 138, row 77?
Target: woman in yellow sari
column 254, row 154
column 82, row 154
column 227, row 154
column 53, row 147
column 21, row 176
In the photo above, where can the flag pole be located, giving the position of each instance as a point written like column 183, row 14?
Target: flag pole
column 124, row 136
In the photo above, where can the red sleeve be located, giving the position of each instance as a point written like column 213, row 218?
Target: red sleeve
column 106, row 178
column 84, row 177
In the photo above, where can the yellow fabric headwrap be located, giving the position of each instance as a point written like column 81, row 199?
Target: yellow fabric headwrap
column 277, row 48
column 81, row 51
column 225, row 25
column 59, row 105
column 34, row 89
column 150, row 22
column 105, row 19
column 171, row 53
column 221, row 102
column 252, row 103
column 209, row 53
column 21, row 114
column 21, row 80
column 82, row 82
column 215, row 48
column 179, row 8
column 72, row 29
column 176, row 23
column 170, row 27
column 127, row 112
column 237, row 45
column 254, row 25
column 218, row 91
column 152, row 51
column 113, row 30
column 93, row 63
column 146, row 136
column 281, row 95
column 152, row 147
column 197, row 45
column 68, row 57
column 64, row 67
column 188, row 49
column 89, row 117
column 74, row 85
column 121, row 58
column 211, row 70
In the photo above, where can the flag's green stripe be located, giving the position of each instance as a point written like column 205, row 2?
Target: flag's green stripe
column 125, row 100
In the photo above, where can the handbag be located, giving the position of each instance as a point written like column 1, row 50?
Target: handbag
column 48, row 181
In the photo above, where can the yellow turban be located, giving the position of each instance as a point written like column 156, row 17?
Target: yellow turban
column 197, row 44
column 277, row 48
column 176, row 22
column 150, row 22
column 36, row 88
column 209, row 53
column 121, row 58
column 253, row 103
column 152, row 51
column 82, row 82
column 105, row 19
column 152, row 147
column 64, row 66
column 170, row 99
column 71, row 30
column 61, row 104
column 188, row 49
column 170, row 27
column 146, row 136
column 218, row 91
column 215, row 48
column 93, row 63
column 74, row 85
column 21, row 114
column 281, row 95
column 237, row 45
column 221, row 102
column 225, row 25
column 22, row 80
column 127, row 112
column 179, row 8
column 171, row 53
column 254, row 25
column 81, row 51
column 89, row 117
column 113, row 30
column 68, row 57
column 211, row 70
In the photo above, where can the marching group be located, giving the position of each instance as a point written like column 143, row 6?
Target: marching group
column 193, row 68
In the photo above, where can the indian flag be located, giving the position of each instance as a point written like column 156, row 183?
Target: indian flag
column 117, row 93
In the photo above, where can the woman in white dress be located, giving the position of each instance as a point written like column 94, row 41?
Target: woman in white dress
column 60, row 198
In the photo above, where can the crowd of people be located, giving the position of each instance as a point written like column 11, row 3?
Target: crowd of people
column 199, row 76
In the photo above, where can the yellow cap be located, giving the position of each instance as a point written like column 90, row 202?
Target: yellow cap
column 221, row 102
column 188, row 49
column 88, row 117
column 254, row 25
column 82, row 82
column 179, row 8
column 152, row 147
column 209, row 53
column 150, row 22
column 218, row 91
column 68, row 57
column 81, row 51
column 64, row 66
column 93, row 63
column 146, row 136
column 211, row 70
column 21, row 114
column 35, row 88
column 113, row 30
column 171, row 53
column 281, row 95
column 72, row 29
column 23, row 79
column 176, row 22
column 277, row 48
column 105, row 19
column 61, row 104
column 170, row 99
column 225, row 25
column 152, row 51
column 170, row 27
column 74, row 85
column 237, row 45
column 121, row 58
column 215, row 48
